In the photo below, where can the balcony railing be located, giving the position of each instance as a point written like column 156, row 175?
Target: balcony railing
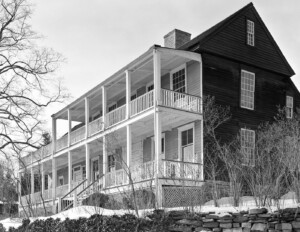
column 62, row 143
column 116, row 178
column 78, row 135
column 116, row 115
column 181, row 101
column 141, row 103
column 144, row 171
column 181, row 170
column 96, row 126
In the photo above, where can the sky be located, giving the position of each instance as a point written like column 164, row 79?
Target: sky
column 99, row 37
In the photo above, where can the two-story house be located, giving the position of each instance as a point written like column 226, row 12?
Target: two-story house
column 143, row 126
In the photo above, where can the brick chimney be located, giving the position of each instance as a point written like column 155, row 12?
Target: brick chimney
column 176, row 38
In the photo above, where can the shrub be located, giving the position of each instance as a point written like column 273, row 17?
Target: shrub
column 96, row 199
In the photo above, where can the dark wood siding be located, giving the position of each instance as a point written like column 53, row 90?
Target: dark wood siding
column 231, row 42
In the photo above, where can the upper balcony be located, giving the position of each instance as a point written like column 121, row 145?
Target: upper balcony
column 161, row 77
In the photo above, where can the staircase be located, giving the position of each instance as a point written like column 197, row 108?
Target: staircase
column 79, row 193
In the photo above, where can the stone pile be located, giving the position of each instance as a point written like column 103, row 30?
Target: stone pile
column 254, row 220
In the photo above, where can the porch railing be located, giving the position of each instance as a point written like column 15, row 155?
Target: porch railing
column 47, row 194
column 62, row 190
column 181, row 170
column 62, row 143
column 78, row 135
column 116, row 115
column 141, row 103
column 144, row 171
column 181, row 101
column 116, row 178
column 96, row 126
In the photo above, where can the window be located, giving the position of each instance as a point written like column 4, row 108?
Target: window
column 111, row 163
column 112, row 107
column 61, row 180
column 163, row 145
column 250, row 33
column 178, row 79
column 248, row 146
column 46, row 181
column 247, row 89
column 186, row 143
column 133, row 96
column 150, row 87
column 289, row 107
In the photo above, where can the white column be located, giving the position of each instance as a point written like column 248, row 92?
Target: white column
column 104, row 161
column 32, row 181
column 69, row 127
column 70, row 170
column 87, row 116
column 128, row 92
column 201, row 110
column 157, row 125
column 104, row 106
column 129, row 145
column 87, row 163
column 54, row 185
column 53, row 135
column 43, row 178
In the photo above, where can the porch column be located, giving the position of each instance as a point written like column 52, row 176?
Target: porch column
column 157, row 125
column 43, row 178
column 104, row 161
column 32, row 181
column 70, row 170
column 128, row 92
column 104, row 106
column 87, row 163
column 87, row 116
column 19, row 187
column 53, row 185
column 69, row 127
column 53, row 135
column 129, row 147
column 201, row 122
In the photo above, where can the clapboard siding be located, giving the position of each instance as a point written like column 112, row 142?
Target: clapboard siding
column 221, row 79
column 230, row 42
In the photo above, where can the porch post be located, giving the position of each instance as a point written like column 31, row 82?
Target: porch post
column 128, row 92
column 87, row 163
column 201, row 122
column 87, row 116
column 104, row 161
column 43, row 178
column 53, row 135
column 157, row 124
column 104, row 106
column 129, row 148
column 70, row 170
column 69, row 127
column 19, row 187
column 32, row 181
column 53, row 185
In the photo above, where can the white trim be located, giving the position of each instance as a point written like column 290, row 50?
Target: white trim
column 253, row 75
column 180, row 130
column 183, row 66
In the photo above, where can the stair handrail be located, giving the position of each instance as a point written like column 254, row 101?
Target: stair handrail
column 82, row 182
column 90, row 185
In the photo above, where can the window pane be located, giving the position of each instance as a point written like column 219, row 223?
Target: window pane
column 179, row 81
column 247, row 89
column 184, row 138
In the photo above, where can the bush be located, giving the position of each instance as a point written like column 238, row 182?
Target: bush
column 96, row 199
column 144, row 199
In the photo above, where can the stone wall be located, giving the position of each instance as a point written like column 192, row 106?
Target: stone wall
column 254, row 220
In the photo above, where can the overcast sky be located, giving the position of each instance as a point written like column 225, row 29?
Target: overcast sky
column 99, row 37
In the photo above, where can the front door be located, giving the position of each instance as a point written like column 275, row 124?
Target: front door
column 77, row 174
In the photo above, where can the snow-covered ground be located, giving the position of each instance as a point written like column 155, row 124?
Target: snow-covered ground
column 225, row 206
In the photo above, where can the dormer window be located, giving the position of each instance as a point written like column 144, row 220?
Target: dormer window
column 250, row 33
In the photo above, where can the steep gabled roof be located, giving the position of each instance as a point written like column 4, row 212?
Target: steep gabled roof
column 203, row 38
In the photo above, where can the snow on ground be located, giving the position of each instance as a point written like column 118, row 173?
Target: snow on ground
column 225, row 207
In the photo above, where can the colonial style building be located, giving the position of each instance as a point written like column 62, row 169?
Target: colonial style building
column 143, row 126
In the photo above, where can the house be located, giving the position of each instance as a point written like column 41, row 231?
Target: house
column 143, row 126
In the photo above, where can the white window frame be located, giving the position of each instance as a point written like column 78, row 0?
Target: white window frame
column 289, row 105
column 61, row 178
column 249, row 161
column 180, row 130
column 250, row 33
column 243, row 102
column 183, row 66
column 73, row 169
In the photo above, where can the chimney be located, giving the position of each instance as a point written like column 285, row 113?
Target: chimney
column 176, row 38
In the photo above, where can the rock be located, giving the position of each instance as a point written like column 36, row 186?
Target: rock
column 246, row 225
column 258, row 221
column 283, row 226
column 226, row 216
column 217, row 229
column 226, row 225
column 259, row 227
column 286, row 230
column 237, row 230
column 236, row 225
column 246, row 229
column 258, row 211
column 202, row 229
column 210, row 224
column 189, row 222
column 225, row 220
column 296, row 225
column 212, row 216
column 208, row 220
column 240, row 219
column 227, row 230
column 266, row 215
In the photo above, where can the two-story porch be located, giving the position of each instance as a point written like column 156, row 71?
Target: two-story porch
column 144, row 124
